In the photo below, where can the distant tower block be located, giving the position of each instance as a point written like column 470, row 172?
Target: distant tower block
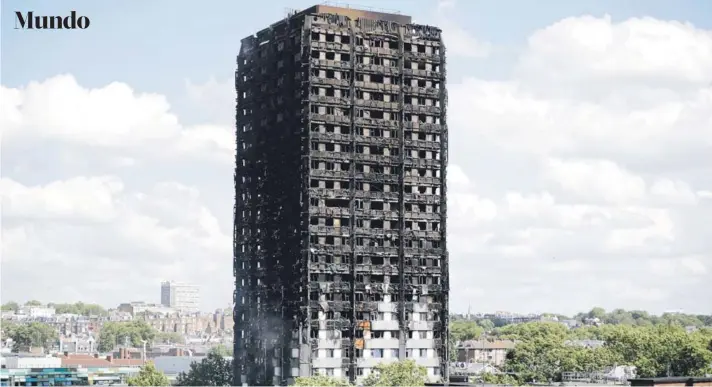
column 180, row 296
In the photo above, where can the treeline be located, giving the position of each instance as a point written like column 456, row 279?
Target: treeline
column 615, row 317
column 643, row 318
column 111, row 334
column 134, row 333
column 545, row 350
column 23, row 336
column 78, row 308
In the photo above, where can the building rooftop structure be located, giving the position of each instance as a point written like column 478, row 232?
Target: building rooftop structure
column 89, row 361
column 672, row 381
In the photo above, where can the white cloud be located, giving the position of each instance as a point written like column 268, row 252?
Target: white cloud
column 581, row 179
column 597, row 153
column 93, row 229
column 597, row 179
column 636, row 50
column 461, row 43
column 79, row 198
column 215, row 99
column 458, row 40
column 111, row 117
column 86, row 194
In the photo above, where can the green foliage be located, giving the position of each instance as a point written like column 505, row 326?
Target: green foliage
column 214, row 370
column 169, row 337
column 76, row 308
column 533, row 330
column 402, row 373
column 642, row 318
column 542, row 353
column 486, row 324
column 664, row 350
column 149, row 376
column 116, row 333
column 501, row 379
column 79, row 308
column 320, row 380
column 34, row 334
column 7, row 329
column 452, row 348
column 11, row 306
column 221, row 350
column 465, row 330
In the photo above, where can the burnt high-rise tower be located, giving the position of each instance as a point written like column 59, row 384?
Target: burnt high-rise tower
column 340, row 197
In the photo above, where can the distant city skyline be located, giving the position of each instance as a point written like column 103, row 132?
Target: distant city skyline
column 580, row 171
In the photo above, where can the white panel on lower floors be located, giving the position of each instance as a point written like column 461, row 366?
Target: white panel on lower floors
column 421, row 325
column 374, row 361
column 328, row 343
column 384, row 325
column 420, row 343
column 381, row 343
column 322, row 353
column 327, row 362
column 387, row 307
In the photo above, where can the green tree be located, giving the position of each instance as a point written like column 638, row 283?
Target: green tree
column 80, row 308
column 663, row 350
column 538, row 359
column 221, row 350
column 543, row 354
column 597, row 312
column 34, row 334
column 7, row 329
column 214, row 370
column 11, row 306
column 486, row 324
column 117, row 333
column 148, row 375
column 502, row 379
column 533, row 330
column 320, row 380
column 465, row 330
column 33, row 303
column 452, row 348
column 402, row 373
column 169, row 337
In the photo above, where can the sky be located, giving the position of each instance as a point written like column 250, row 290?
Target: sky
column 580, row 167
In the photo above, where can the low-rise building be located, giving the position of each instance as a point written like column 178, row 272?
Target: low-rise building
column 139, row 307
column 39, row 312
column 78, row 345
column 682, row 381
column 484, row 351
column 172, row 366
column 95, row 361
column 24, row 362
column 44, row 377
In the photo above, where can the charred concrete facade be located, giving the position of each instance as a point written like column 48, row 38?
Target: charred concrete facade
column 340, row 255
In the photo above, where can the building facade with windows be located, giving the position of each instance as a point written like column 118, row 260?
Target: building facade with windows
column 340, row 255
column 180, row 296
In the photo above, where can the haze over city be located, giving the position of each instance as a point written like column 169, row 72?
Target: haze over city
column 580, row 152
